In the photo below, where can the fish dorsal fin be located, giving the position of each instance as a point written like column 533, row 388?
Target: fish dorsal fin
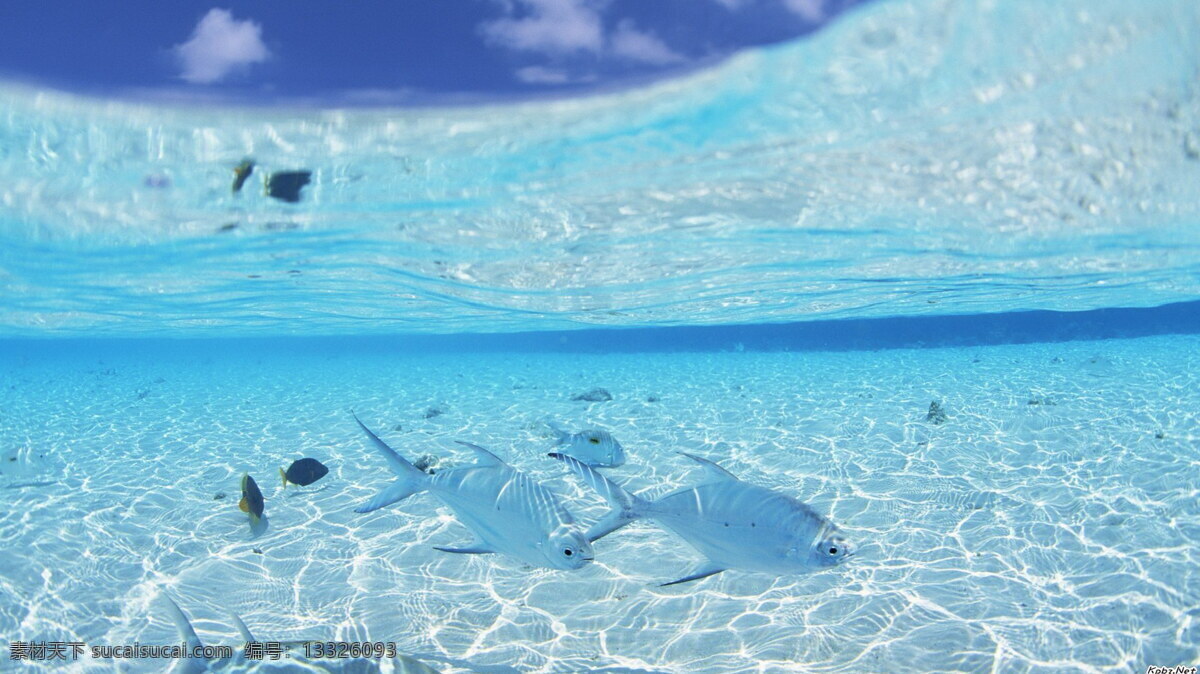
column 711, row 469
column 182, row 624
column 485, row 457
column 241, row 626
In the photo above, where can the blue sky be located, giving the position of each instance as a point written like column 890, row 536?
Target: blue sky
column 381, row 52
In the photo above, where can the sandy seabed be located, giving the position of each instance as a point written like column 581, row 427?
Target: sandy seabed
column 1050, row 523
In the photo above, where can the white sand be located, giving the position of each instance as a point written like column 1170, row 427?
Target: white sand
column 1015, row 536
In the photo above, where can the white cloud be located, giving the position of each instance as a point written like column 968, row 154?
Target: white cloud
column 542, row 75
column 550, row 26
column 630, row 43
column 219, row 45
column 809, row 10
column 812, row 11
column 563, row 29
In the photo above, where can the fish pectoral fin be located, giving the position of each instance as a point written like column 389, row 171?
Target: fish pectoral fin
column 704, row 571
column 475, row 549
column 243, row 506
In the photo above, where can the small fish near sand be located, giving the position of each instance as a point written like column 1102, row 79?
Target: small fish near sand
column 595, row 395
column 241, row 172
column 303, row 472
column 286, row 185
column 508, row 512
column 593, row 446
column 735, row 525
column 252, row 500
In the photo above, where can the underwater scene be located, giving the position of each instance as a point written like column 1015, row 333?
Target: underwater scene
column 874, row 350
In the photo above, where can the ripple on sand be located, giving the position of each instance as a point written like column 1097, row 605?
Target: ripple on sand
column 1027, row 536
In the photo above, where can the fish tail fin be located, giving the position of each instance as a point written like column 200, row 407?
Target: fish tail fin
column 411, row 479
column 626, row 507
column 182, row 625
column 283, row 474
column 395, row 492
column 560, row 435
column 241, row 626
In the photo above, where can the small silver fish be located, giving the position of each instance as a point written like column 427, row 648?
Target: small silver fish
column 735, row 525
column 509, row 512
column 592, row 446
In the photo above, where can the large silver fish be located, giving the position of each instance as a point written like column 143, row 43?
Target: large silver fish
column 508, row 512
column 295, row 660
column 734, row 524
column 593, row 446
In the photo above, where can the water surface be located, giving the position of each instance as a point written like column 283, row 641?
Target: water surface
column 996, row 203
column 915, row 158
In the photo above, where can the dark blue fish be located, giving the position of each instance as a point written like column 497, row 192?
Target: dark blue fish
column 303, row 472
column 285, row 185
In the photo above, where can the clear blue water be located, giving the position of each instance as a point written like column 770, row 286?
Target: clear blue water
column 777, row 264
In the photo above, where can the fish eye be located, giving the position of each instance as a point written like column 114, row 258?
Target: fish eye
column 833, row 551
column 568, row 551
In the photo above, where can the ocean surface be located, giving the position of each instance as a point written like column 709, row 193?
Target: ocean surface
column 778, row 263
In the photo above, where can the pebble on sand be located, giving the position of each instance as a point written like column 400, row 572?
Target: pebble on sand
column 596, row 395
column 936, row 414
column 426, row 463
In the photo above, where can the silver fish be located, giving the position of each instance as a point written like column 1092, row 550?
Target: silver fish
column 296, row 659
column 508, row 512
column 735, row 525
column 592, row 446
